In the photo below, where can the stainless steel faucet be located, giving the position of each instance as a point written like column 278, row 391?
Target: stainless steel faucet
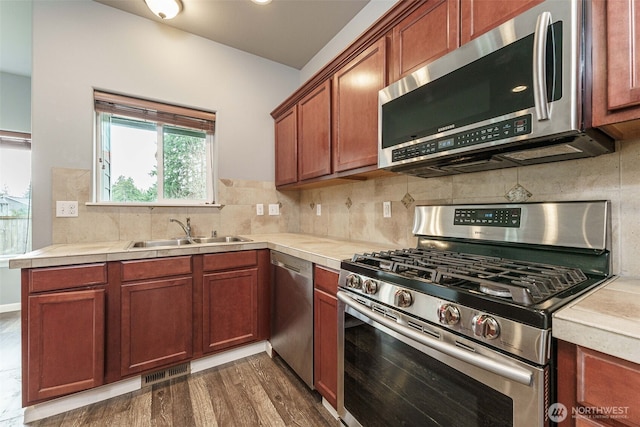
column 186, row 228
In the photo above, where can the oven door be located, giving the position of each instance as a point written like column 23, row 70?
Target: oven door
column 394, row 370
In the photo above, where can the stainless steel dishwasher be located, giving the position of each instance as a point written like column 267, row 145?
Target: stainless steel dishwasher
column 292, row 313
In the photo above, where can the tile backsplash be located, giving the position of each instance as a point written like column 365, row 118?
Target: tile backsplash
column 110, row 223
column 355, row 210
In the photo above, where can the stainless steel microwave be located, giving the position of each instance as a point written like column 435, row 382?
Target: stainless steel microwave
column 517, row 95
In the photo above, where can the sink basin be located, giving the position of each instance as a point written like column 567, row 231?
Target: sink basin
column 220, row 239
column 184, row 241
column 160, row 242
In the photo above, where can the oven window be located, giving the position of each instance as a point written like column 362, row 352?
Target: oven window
column 389, row 383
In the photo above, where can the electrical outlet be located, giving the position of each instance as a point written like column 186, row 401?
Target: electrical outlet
column 259, row 209
column 66, row 208
column 318, row 209
column 274, row 209
column 386, row 209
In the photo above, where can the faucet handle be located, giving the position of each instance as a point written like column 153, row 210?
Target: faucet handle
column 214, row 233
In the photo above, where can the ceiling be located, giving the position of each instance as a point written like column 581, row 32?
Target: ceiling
column 290, row 32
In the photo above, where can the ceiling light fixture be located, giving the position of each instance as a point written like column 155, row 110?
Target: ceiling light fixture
column 165, row 9
column 261, row 1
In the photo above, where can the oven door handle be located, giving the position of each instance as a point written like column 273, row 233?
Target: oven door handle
column 513, row 373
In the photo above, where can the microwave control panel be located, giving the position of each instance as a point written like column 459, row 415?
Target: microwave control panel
column 494, row 132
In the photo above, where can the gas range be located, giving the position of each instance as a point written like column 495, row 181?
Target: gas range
column 492, row 273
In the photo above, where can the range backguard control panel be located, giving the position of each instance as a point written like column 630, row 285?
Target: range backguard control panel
column 509, row 217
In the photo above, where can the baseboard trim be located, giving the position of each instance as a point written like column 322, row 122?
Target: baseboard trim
column 7, row 308
column 98, row 394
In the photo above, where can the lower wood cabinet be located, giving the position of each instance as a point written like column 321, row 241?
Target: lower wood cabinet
column 230, row 308
column 65, row 344
column 597, row 389
column 87, row 325
column 325, row 307
column 156, row 324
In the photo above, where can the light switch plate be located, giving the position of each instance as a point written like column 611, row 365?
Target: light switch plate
column 386, row 209
column 274, row 209
column 259, row 209
column 66, row 208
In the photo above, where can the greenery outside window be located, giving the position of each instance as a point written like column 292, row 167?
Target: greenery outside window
column 153, row 153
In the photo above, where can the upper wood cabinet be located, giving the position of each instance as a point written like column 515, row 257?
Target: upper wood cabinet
column 428, row 33
column 287, row 147
column 616, row 67
column 355, row 108
column 314, row 133
column 479, row 16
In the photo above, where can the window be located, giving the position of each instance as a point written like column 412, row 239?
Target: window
column 153, row 153
column 15, row 193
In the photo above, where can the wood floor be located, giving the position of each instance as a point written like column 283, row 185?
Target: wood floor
column 254, row 391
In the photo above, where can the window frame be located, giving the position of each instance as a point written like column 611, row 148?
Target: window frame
column 159, row 114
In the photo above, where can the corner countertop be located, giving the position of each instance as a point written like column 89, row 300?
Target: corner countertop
column 606, row 320
column 324, row 251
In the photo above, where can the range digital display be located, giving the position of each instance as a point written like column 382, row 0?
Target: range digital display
column 509, row 217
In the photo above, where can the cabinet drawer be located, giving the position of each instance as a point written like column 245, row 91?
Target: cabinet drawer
column 56, row 278
column 230, row 260
column 154, row 268
column 326, row 280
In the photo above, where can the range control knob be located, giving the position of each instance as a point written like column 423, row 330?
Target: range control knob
column 354, row 281
column 370, row 286
column 449, row 314
column 403, row 298
column 485, row 326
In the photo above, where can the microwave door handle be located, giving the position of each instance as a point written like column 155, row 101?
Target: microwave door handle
column 539, row 66
column 513, row 373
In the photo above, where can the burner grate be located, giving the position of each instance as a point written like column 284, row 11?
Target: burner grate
column 523, row 282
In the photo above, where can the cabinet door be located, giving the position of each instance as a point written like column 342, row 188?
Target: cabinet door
column 230, row 305
column 286, row 148
column 479, row 16
column 156, row 323
column 623, row 41
column 314, row 133
column 355, row 108
column 66, row 338
column 427, row 34
column 325, row 369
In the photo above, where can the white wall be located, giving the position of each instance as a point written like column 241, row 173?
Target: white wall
column 363, row 20
column 15, row 102
column 82, row 45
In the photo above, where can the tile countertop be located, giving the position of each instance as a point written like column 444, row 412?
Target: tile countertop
column 606, row 320
column 327, row 252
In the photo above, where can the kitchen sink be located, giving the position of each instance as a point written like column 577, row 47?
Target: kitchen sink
column 185, row 241
column 220, row 239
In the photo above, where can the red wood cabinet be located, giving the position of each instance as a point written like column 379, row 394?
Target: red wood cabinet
column 479, row 16
column 65, row 352
column 230, row 304
column 355, row 108
column 156, row 313
column 597, row 389
column 616, row 67
column 235, row 299
column 314, row 133
column 427, row 34
column 286, row 143
column 325, row 369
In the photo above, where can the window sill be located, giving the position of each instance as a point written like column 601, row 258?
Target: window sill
column 156, row 205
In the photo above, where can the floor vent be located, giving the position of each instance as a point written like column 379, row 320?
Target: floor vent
column 166, row 374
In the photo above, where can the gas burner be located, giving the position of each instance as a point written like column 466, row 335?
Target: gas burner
column 495, row 291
